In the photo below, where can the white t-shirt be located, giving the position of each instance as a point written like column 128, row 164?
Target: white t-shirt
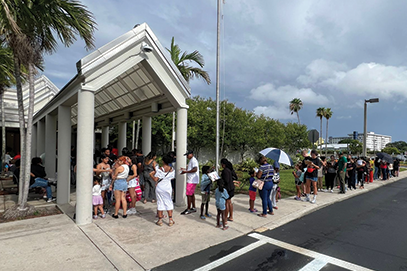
column 193, row 177
column 96, row 191
column 7, row 158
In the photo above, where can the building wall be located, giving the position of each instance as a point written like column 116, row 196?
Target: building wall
column 374, row 142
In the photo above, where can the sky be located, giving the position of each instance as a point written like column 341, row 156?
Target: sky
column 328, row 53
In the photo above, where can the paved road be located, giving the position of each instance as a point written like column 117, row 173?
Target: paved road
column 366, row 232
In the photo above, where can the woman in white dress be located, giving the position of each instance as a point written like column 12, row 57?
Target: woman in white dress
column 163, row 177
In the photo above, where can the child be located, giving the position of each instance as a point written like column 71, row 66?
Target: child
column 297, row 175
column 97, row 198
column 206, row 184
column 221, row 195
column 252, row 192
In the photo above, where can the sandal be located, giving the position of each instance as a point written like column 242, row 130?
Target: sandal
column 159, row 222
column 172, row 222
column 231, row 220
column 225, row 228
column 144, row 201
column 262, row 215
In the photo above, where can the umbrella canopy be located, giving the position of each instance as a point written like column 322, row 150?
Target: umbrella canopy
column 385, row 157
column 277, row 155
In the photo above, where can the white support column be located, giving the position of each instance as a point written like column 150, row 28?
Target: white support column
column 50, row 146
column 84, row 175
column 105, row 136
column 146, row 140
column 180, row 183
column 34, row 141
column 122, row 137
column 40, row 137
column 64, row 154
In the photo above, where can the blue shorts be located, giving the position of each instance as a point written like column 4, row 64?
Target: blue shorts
column 120, row 184
column 314, row 179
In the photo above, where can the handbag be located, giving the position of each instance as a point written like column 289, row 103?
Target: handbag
column 258, row 184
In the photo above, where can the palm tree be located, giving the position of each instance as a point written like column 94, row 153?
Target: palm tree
column 31, row 30
column 6, row 79
column 187, row 71
column 320, row 115
column 182, row 63
column 295, row 106
column 327, row 115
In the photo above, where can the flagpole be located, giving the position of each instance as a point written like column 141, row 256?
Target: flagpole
column 217, row 87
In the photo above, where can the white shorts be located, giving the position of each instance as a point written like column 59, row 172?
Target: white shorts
column 133, row 183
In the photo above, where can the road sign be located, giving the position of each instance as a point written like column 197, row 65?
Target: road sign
column 313, row 136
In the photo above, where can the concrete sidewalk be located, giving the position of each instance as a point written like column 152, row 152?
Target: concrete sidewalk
column 136, row 243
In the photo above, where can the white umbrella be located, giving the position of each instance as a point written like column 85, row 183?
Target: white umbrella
column 278, row 156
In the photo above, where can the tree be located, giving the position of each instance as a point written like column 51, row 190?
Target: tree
column 295, row 106
column 296, row 137
column 400, row 145
column 30, row 30
column 327, row 114
column 355, row 146
column 6, row 79
column 391, row 150
column 320, row 115
column 346, row 141
column 182, row 62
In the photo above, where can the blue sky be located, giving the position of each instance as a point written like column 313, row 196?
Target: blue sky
column 328, row 53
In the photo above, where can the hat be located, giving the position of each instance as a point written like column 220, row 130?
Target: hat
column 339, row 152
column 189, row 152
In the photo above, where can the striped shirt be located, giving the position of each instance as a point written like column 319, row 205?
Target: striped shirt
column 267, row 171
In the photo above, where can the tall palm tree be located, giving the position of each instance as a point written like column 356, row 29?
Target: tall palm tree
column 327, row 115
column 182, row 62
column 320, row 115
column 6, row 79
column 31, row 30
column 295, row 106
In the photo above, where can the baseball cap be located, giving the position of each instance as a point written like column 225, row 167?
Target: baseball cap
column 189, row 152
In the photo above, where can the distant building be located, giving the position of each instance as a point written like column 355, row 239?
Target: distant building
column 374, row 142
column 44, row 91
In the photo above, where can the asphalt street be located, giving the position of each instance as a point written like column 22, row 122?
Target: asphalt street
column 366, row 232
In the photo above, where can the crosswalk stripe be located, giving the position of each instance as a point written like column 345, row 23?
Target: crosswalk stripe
column 231, row 256
column 315, row 265
column 310, row 253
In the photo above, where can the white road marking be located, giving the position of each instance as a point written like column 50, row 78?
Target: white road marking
column 315, row 265
column 231, row 256
column 310, row 253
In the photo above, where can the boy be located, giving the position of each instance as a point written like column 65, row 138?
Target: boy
column 252, row 192
column 206, row 184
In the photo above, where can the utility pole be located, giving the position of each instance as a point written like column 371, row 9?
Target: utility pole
column 217, row 87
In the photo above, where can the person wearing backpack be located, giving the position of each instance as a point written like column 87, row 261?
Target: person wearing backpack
column 206, row 184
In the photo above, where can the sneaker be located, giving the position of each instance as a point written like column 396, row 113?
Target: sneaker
column 44, row 197
column 208, row 215
column 314, row 200
column 324, row 190
column 307, row 199
column 132, row 211
column 103, row 216
column 49, row 200
column 95, row 217
column 192, row 210
column 332, row 190
column 297, row 198
column 203, row 217
column 186, row 212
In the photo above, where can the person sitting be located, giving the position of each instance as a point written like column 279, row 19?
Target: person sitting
column 38, row 177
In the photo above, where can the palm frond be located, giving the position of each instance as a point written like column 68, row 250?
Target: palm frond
column 199, row 73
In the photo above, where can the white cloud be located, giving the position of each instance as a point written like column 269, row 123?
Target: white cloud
column 275, row 112
column 367, row 80
column 284, row 94
column 344, row 117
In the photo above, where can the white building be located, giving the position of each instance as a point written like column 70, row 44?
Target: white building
column 374, row 142
column 44, row 91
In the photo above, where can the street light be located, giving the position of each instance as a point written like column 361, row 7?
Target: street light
column 374, row 100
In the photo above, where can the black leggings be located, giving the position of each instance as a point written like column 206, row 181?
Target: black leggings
column 361, row 178
column 329, row 180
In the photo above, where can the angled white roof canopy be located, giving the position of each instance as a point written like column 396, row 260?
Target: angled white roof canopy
column 128, row 82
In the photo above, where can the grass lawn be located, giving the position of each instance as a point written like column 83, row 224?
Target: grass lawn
column 287, row 185
column 403, row 169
